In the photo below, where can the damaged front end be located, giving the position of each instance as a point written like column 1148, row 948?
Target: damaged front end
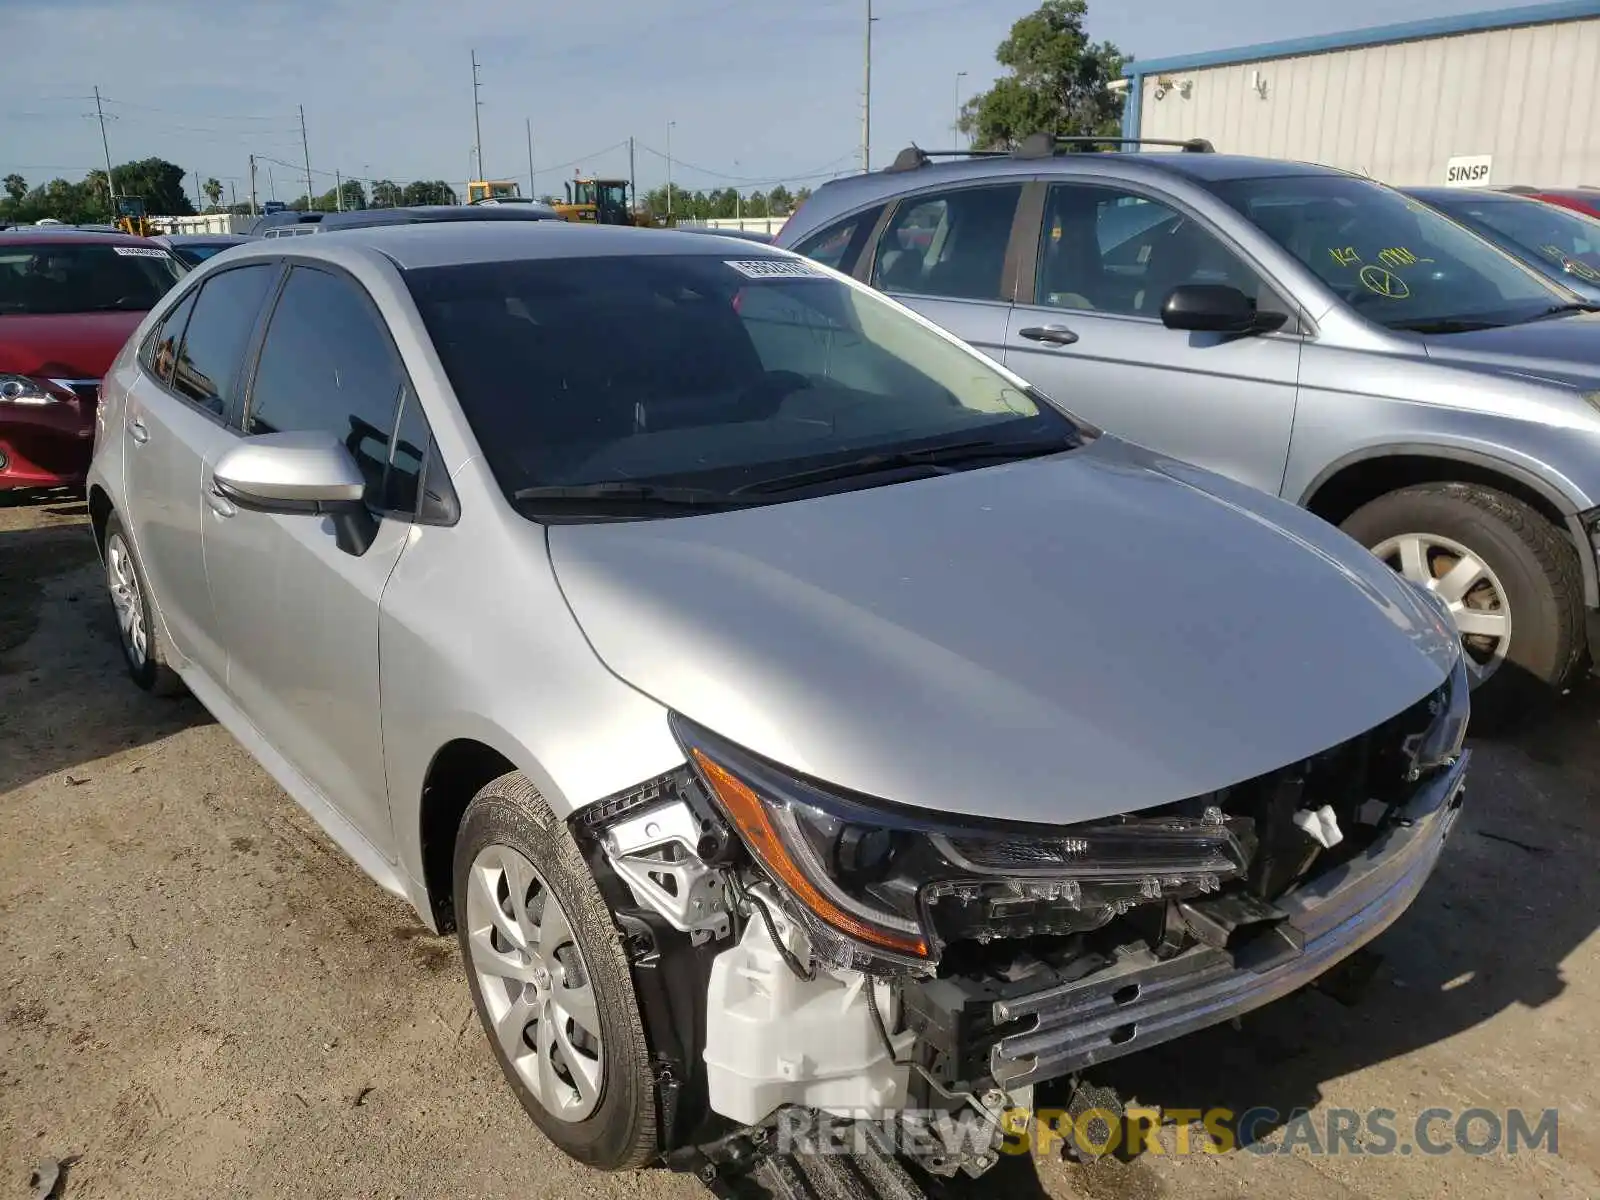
column 835, row 954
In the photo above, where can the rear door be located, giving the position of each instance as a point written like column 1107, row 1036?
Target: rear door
column 299, row 616
column 945, row 254
column 1087, row 329
column 182, row 411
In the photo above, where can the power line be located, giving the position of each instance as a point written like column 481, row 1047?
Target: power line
column 818, row 173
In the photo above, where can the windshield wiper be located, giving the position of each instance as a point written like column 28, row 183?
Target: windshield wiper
column 938, row 460
column 1556, row 310
column 627, row 493
column 1447, row 325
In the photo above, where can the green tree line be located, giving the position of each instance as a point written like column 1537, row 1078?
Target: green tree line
column 725, row 202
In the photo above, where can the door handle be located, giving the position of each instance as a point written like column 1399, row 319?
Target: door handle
column 138, row 432
column 1056, row 335
column 219, row 503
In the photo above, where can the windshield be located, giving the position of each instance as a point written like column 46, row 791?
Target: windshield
column 57, row 277
column 1392, row 258
column 1566, row 239
column 714, row 371
column 614, row 195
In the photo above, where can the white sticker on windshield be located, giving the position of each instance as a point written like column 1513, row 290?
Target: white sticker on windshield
column 774, row 268
column 140, row 252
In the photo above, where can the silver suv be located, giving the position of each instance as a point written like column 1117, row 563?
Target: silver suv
column 770, row 691
column 1308, row 332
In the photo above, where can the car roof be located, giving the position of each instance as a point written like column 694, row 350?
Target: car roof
column 419, row 213
column 450, row 243
column 842, row 195
column 66, row 235
column 199, row 239
column 1445, row 194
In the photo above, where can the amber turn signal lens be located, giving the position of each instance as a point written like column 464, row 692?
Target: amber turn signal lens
column 750, row 815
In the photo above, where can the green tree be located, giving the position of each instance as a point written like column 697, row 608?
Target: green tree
column 779, row 202
column 16, row 187
column 428, row 191
column 1057, row 81
column 386, row 194
column 802, row 196
column 159, row 182
column 213, row 191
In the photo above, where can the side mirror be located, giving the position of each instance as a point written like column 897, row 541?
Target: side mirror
column 309, row 473
column 1215, row 308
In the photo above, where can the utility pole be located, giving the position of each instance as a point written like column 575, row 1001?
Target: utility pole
column 233, row 197
column 533, row 189
column 866, row 98
column 670, row 124
column 955, row 129
column 272, row 184
column 252, row 185
column 338, row 191
column 477, row 125
column 199, row 195
column 111, row 184
column 306, row 147
column 633, row 182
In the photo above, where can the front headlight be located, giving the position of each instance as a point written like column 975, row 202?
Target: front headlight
column 24, row 389
column 881, row 883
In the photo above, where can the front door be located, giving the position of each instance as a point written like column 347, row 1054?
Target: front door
column 299, row 615
column 1090, row 335
column 182, row 411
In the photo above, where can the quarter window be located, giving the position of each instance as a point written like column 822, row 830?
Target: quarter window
column 328, row 364
column 840, row 244
column 1105, row 250
column 950, row 244
column 161, row 351
column 207, row 366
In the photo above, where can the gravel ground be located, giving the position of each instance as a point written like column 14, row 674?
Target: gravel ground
column 202, row 997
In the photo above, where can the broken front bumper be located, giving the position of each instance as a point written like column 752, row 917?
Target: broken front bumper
column 1140, row 1001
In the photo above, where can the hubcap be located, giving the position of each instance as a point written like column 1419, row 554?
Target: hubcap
column 1464, row 581
column 127, row 600
column 534, row 983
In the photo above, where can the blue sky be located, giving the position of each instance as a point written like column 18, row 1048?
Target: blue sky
column 758, row 90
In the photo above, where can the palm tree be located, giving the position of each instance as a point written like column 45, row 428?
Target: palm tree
column 213, row 191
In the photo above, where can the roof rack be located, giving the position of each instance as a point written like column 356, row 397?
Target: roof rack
column 1045, row 145
column 1039, row 145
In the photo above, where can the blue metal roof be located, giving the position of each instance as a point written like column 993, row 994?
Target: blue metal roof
column 1407, row 31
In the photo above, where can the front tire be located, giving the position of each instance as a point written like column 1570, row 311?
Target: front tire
column 1512, row 579
column 549, row 979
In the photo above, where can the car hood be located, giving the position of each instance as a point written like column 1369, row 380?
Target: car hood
column 64, row 345
column 1561, row 349
column 1050, row 640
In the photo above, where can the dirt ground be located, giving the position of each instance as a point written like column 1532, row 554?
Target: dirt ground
column 203, row 998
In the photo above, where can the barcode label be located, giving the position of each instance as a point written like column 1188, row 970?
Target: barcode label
column 140, row 252
column 774, row 268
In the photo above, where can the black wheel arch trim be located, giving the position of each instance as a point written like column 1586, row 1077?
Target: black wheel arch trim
column 1574, row 516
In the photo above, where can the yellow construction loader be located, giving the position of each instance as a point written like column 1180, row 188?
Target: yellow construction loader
column 131, row 218
column 600, row 202
column 480, row 191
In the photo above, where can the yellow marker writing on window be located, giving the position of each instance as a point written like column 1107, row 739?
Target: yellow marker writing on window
column 1345, row 256
column 1399, row 256
column 1384, row 283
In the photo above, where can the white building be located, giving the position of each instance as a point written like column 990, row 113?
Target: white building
column 1506, row 97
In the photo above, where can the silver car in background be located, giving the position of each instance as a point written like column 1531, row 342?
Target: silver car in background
column 767, row 689
column 1306, row 331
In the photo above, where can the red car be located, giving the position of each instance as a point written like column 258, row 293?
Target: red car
column 68, row 301
column 1580, row 199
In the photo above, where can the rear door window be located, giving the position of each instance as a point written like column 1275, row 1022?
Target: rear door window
column 952, row 244
column 839, row 245
column 161, row 348
column 206, row 372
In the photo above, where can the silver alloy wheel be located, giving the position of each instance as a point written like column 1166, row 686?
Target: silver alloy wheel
column 534, row 983
column 127, row 600
column 1464, row 581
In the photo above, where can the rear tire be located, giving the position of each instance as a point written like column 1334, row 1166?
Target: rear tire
column 1531, row 584
column 142, row 652
column 509, row 822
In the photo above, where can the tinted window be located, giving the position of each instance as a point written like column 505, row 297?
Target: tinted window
column 162, row 348
column 952, row 244
column 1561, row 236
column 406, row 457
column 219, row 330
column 1395, row 260
column 1106, row 250
column 83, row 276
column 327, row 364
column 715, row 370
column 839, row 245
